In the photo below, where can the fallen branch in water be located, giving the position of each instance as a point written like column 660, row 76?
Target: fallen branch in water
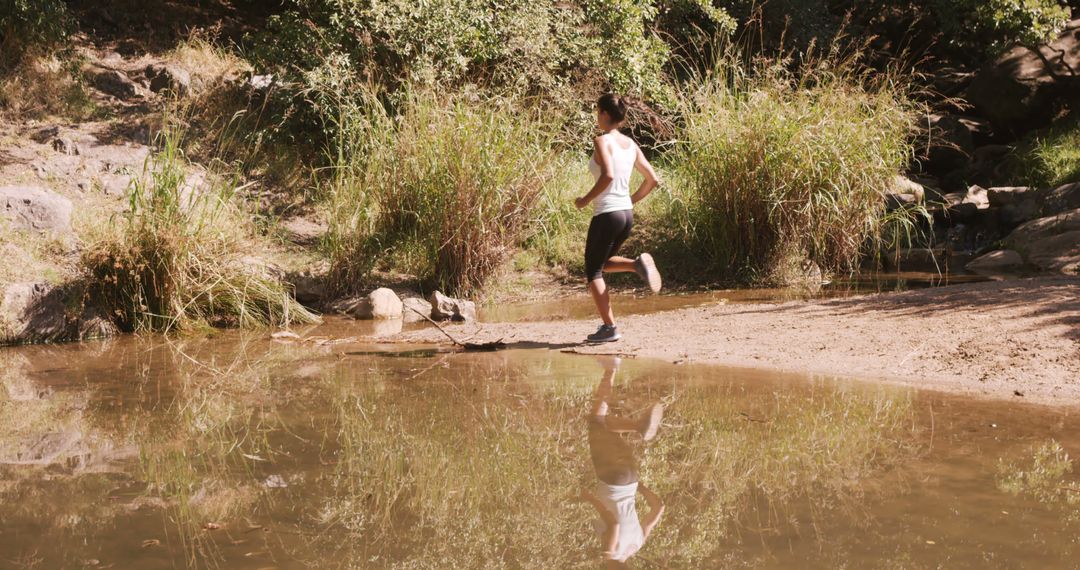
column 482, row 346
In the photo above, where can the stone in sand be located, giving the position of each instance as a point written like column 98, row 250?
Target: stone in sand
column 381, row 303
column 413, row 308
column 995, row 261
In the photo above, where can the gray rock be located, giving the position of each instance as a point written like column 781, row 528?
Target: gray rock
column 34, row 208
column 1051, row 243
column 1004, row 196
column 447, row 308
column 169, row 77
column 32, row 312
column 379, row 304
column 1013, row 215
column 957, row 209
column 309, row 290
column 115, row 83
column 413, row 308
column 996, row 261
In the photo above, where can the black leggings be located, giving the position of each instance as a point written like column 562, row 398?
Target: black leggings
column 607, row 232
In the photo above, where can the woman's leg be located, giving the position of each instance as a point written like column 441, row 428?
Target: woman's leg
column 616, row 263
column 599, row 291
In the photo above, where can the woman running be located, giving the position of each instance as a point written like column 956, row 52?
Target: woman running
column 615, row 156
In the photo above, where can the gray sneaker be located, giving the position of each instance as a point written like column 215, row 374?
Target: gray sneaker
column 645, row 267
column 606, row 333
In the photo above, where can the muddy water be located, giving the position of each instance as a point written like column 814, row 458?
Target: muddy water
column 238, row 451
column 628, row 303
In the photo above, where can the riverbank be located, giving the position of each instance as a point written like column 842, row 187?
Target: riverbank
column 1003, row 339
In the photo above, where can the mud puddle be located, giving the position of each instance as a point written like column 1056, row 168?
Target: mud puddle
column 636, row 303
column 239, row 451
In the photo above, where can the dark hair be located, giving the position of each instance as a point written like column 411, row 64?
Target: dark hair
column 619, row 106
column 615, row 105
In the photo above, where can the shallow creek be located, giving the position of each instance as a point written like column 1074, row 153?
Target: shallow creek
column 240, row 451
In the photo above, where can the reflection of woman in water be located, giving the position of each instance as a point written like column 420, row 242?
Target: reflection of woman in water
column 621, row 533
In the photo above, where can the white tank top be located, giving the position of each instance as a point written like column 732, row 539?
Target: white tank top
column 620, row 501
column 616, row 196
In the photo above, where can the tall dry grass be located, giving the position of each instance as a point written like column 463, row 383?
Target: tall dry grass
column 178, row 256
column 780, row 166
column 442, row 187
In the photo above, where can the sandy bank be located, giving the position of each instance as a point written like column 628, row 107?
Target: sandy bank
column 1016, row 339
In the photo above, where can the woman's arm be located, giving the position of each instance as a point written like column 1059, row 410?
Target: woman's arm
column 651, row 181
column 656, row 509
column 602, row 155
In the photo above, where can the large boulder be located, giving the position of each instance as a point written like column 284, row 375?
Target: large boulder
column 1000, row 261
column 415, row 309
column 1062, row 199
column 445, row 308
column 1017, row 91
column 34, row 208
column 1051, row 243
column 381, row 303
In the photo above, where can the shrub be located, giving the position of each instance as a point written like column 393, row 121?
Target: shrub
column 780, row 167
column 550, row 48
column 993, row 25
column 177, row 258
column 445, row 190
column 31, row 25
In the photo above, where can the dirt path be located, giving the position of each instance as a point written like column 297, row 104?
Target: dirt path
column 1016, row 339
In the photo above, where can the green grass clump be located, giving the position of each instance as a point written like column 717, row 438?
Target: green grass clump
column 177, row 259
column 444, row 190
column 1048, row 158
column 779, row 167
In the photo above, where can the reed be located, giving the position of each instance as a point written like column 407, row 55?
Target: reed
column 177, row 258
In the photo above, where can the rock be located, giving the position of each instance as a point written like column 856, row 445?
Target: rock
column 950, row 144
column 48, row 448
column 413, row 307
column 114, row 184
column 904, row 185
column 379, row 304
column 996, row 261
column 385, row 304
column 1062, row 199
column 169, row 77
column 309, row 290
column 1017, row 91
column 957, row 209
column 1013, row 215
column 115, row 83
column 981, row 130
column 977, row 195
column 34, row 208
column 447, row 308
column 66, row 146
column 915, row 259
column 1051, row 243
column 32, row 312
column 986, row 163
column 1004, row 196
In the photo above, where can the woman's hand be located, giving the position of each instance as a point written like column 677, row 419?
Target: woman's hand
column 581, row 202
